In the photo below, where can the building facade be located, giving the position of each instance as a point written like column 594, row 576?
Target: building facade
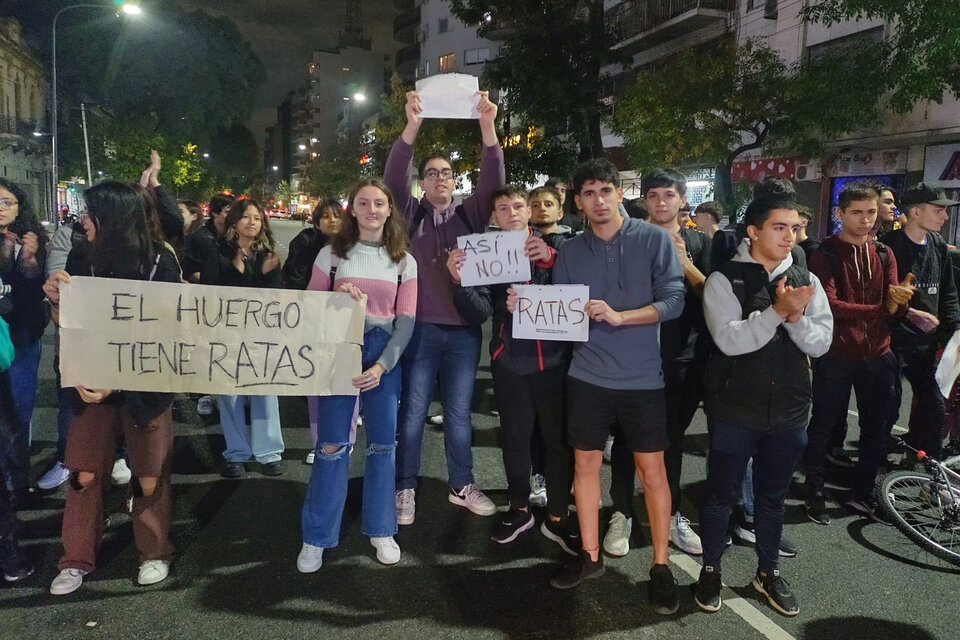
column 24, row 157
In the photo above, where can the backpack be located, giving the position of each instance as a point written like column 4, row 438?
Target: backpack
column 422, row 213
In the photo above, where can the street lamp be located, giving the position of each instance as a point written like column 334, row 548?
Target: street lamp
column 129, row 9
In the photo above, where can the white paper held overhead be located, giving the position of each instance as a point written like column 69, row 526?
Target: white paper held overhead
column 449, row 95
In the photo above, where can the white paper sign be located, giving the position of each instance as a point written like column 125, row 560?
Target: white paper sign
column 494, row 257
column 449, row 95
column 552, row 312
column 949, row 368
column 161, row 336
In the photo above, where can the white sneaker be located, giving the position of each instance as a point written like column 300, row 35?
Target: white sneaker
column 310, row 558
column 153, row 571
column 435, row 421
column 683, row 537
column 388, row 551
column 360, row 420
column 56, row 476
column 538, row 490
column 473, row 499
column 406, row 506
column 616, row 542
column 121, row 473
column 310, row 457
column 206, row 406
column 67, row 581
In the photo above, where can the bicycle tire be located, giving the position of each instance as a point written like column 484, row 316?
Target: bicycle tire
column 912, row 504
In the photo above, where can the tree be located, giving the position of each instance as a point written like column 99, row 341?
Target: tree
column 550, row 63
column 920, row 51
column 710, row 104
column 283, row 194
column 332, row 175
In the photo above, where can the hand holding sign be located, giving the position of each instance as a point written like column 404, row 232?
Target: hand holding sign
column 494, row 257
column 455, row 261
column 550, row 312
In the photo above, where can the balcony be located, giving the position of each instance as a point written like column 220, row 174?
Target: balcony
column 642, row 25
column 19, row 128
column 406, row 25
column 495, row 29
column 408, row 59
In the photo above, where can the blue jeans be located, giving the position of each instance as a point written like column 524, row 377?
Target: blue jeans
column 327, row 490
column 20, row 382
column 261, row 439
column 453, row 353
column 775, row 454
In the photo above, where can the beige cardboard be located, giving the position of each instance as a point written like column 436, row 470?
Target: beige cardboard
column 159, row 336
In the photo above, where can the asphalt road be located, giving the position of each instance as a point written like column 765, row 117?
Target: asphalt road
column 234, row 575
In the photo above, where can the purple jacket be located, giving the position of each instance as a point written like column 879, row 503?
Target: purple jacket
column 437, row 232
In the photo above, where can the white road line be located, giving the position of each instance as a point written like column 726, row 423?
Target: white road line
column 750, row 614
column 896, row 428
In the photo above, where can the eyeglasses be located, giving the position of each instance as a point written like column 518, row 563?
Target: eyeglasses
column 433, row 174
column 7, row 203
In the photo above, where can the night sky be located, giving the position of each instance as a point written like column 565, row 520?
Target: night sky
column 282, row 32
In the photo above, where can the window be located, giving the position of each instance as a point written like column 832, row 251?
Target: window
column 443, row 25
column 837, row 46
column 448, row 63
column 476, row 56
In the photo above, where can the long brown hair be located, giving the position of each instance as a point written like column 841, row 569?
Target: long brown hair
column 394, row 235
column 263, row 243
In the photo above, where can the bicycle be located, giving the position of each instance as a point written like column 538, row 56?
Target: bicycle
column 925, row 506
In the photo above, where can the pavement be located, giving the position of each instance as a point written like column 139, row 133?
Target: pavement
column 234, row 574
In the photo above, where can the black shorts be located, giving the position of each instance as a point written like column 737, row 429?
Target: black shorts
column 593, row 412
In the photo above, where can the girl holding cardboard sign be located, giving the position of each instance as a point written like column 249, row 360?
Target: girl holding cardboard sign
column 367, row 258
column 121, row 245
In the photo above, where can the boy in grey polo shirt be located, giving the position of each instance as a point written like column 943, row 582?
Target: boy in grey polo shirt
column 636, row 282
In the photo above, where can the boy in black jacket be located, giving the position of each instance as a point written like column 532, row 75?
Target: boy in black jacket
column 528, row 380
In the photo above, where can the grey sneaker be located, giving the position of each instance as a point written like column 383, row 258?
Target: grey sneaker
column 616, row 542
column 406, row 506
column 683, row 537
column 67, row 581
column 473, row 499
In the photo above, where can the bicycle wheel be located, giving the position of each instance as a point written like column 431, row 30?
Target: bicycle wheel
column 921, row 507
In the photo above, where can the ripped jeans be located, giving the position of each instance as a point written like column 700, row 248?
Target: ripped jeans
column 327, row 490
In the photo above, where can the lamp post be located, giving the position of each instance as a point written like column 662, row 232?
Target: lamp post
column 127, row 8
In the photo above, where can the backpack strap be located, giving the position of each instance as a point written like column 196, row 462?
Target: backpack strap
column 334, row 263
column 421, row 213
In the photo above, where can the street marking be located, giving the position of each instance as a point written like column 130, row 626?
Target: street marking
column 896, row 428
column 750, row 614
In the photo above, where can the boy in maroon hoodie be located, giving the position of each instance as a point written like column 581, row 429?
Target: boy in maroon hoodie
column 859, row 276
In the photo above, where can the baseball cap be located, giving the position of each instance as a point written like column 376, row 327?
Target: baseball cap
column 923, row 193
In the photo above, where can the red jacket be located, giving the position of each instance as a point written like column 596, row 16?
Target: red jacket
column 855, row 280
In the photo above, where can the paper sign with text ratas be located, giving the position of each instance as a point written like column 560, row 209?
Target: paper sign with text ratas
column 449, row 95
column 494, row 257
column 551, row 312
column 159, row 336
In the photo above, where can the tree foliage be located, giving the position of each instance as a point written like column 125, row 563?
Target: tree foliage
column 335, row 172
column 710, row 104
column 550, row 63
column 920, row 52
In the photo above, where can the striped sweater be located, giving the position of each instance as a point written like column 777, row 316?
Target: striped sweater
column 370, row 269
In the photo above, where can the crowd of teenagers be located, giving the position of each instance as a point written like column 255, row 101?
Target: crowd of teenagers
column 765, row 328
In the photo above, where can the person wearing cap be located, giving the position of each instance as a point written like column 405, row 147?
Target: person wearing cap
column 921, row 252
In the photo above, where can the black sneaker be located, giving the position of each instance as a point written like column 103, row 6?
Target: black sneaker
column 564, row 532
column 512, row 524
column 778, row 592
column 817, row 509
column 706, row 591
column 233, row 470
column 663, row 590
column 950, row 450
column 577, row 570
column 867, row 508
column 272, row 469
column 841, row 457
column 14, row 564
column 788, row 548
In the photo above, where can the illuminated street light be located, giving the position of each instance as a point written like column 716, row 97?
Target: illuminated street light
column 131, row 9
column 359, row 97
column 206, row 155
column 302, row 147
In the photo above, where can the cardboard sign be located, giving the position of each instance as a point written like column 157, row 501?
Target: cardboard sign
column 449, row 95
column 159, row 336
column 552, row 312
column 494, row 257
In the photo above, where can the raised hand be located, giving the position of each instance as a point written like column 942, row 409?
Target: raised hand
column 51, row 288
column 536, row 249
column 271, row 262
column 791, row 301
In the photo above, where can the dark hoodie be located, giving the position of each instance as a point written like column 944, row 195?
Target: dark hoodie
column 855, row 279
